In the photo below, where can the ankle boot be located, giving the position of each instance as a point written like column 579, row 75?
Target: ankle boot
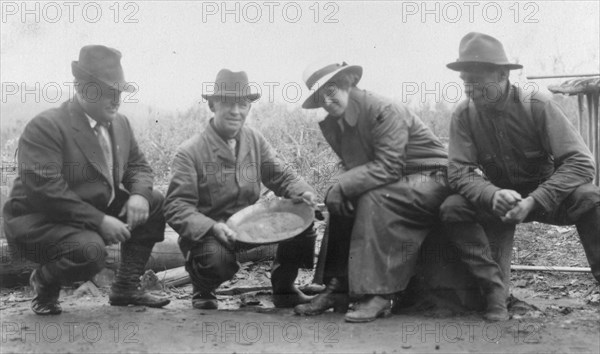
column 47, row 292
column 406, row 298
column 285, row 293
column 126, row 288
column 334, row 296
column 370, row 308
column 471, row 240
column 204, row 300
column 588, row 228
column 496, row 304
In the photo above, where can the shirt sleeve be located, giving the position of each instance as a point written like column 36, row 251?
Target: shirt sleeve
column 40, row 154
column 182, row 199
column 463, row 173
column 572, row 158
column 138, row 178
column 390, row 132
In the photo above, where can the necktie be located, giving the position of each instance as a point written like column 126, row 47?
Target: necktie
column 106, row 146
column 232, row 143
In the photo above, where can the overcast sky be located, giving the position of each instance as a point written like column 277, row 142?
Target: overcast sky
column 172, row 48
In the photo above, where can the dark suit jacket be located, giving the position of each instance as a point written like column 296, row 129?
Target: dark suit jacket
column 62, row 173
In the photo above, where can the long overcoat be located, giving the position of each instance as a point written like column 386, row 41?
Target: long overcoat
column 395, row 176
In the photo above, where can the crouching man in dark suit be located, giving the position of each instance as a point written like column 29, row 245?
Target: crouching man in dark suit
column 83, row 184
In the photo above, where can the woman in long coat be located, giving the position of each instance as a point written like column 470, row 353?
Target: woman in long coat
column 386, row 202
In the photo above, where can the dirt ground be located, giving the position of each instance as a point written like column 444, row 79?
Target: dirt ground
column 543, row 321
column 550, row 313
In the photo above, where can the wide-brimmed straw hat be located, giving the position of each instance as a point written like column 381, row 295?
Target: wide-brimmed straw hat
column 477, row 49
column 318, row 75
column 101, row 65
column 229, row 84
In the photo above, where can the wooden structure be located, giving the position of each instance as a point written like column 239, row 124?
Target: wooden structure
column 587, row 89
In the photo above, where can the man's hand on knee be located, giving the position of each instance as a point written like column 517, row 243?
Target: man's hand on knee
column 337, row 203
column 137, row 210
column 113, row 230
column 224, row 234
column 517, row 214
column 505, row 200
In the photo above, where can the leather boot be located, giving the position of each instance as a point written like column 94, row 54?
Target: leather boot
column 588, row 228
column 47, row 292
column 334, row 296
column 471, row 240
column 204, row 300
column 369, row 309
column 126, row 288
column 285, row 293
column 406, row 298
column 496, row 305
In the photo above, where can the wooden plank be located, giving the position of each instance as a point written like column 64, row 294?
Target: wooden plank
column 551, row 269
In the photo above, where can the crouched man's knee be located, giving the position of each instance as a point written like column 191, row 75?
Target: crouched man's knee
column 457, row 208
column 209, row 261
column 86, row 257
column 583, row 199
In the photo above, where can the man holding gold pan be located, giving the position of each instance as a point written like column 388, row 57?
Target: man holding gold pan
column 535, row 165
column 219, row 172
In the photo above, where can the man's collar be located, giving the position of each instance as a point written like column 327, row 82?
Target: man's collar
column 501, row 104
column 91, row 120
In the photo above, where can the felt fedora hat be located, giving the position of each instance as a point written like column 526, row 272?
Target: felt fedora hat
column 102, row 65
column 478, row 48
column 318, row 75
column 229, row 84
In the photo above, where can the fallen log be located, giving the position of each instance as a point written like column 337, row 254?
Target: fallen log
column 15, row 268
column 179, row 276
column 174, row 277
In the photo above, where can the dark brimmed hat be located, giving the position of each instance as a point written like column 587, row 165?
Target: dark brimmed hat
column 319, row 75
column 229, row 84
column 481, row 49
column 101, row 65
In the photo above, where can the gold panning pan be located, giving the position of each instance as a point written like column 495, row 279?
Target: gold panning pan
column 271, row 221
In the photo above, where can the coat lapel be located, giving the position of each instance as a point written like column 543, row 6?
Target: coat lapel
column 244, row 145
column 353, row 109
column 86, row 139
column 331, row 132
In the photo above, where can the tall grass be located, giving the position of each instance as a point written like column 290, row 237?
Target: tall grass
column 293, row 132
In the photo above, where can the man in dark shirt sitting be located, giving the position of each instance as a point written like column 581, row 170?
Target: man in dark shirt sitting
column 515, row 157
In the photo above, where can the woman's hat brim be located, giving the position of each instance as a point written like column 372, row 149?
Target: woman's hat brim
column 311, row 101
